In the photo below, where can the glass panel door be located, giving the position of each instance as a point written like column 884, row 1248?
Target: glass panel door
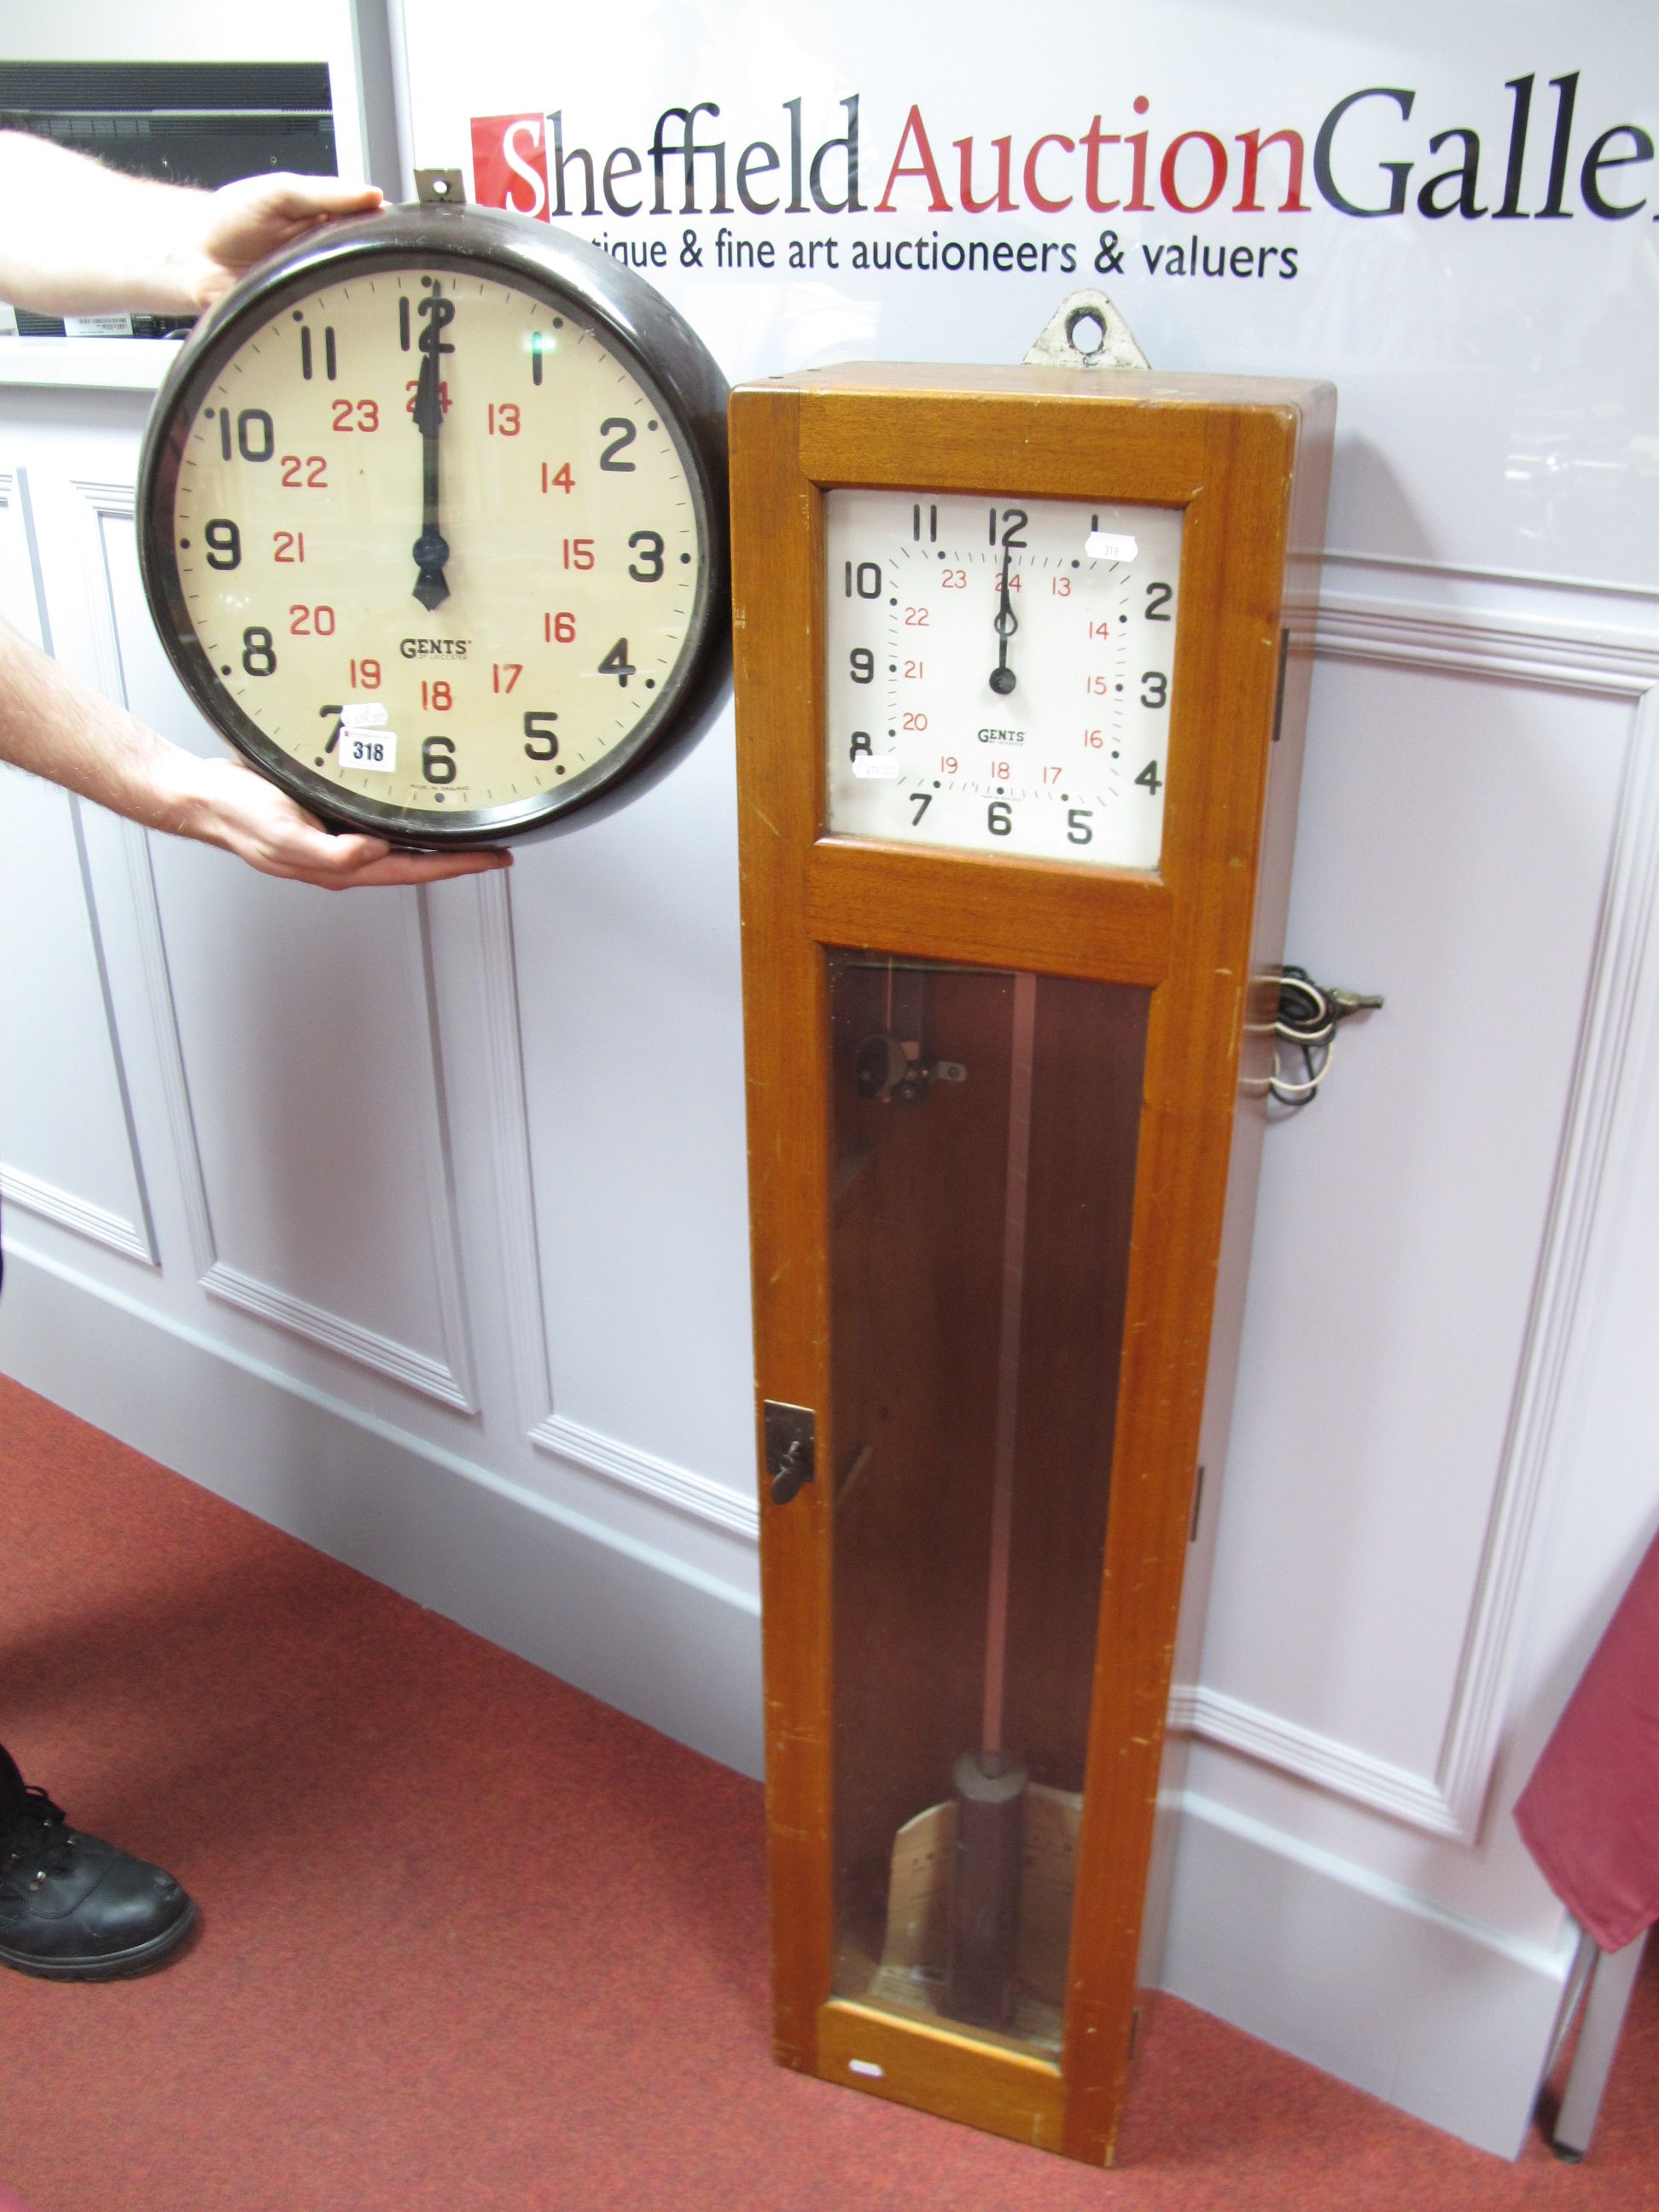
column 984, row 1130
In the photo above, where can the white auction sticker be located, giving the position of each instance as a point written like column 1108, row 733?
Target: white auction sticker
column 1103, row 545
column 363, row 714
column 880, row 768
column 376, row 750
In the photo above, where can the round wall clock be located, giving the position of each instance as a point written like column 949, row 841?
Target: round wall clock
column 433, row 525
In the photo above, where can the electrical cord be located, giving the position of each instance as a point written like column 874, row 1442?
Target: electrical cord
column 1307, row 1020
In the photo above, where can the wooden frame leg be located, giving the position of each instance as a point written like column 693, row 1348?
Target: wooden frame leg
column 1610, row 1986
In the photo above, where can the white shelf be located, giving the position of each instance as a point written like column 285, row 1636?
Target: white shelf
column 88, row 364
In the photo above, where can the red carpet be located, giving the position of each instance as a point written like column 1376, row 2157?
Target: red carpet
column 474, row 1943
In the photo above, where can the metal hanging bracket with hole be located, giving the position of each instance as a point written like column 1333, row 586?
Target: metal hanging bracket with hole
column 1078, row 316
column 439, row 188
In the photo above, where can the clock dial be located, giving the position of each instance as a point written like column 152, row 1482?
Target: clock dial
column 999, row 672
column 426, row 533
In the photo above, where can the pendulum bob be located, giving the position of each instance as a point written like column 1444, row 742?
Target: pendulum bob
column 981, row 1985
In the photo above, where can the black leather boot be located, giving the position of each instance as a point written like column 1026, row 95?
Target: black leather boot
column 76, row 1908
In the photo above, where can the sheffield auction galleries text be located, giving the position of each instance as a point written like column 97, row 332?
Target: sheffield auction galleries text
column 1377, row 152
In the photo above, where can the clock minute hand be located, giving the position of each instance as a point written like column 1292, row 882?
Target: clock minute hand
column 1007, row 622
column 431, row 548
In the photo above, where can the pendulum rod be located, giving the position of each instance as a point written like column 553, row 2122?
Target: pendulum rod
column 990, row 1782
column 1017, row 1188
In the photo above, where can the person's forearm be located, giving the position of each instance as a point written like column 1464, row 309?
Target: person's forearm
column 80, row 239
column 57, row 727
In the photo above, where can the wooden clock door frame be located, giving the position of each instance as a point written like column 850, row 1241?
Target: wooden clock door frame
column 1247, row 461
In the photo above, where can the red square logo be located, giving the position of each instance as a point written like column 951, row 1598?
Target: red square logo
column 509, row 163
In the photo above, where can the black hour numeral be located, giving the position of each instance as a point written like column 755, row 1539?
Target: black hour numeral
column 1151, row 779
column 258, row 654
column 330, row 361
column 922, row 800
column 438, row 760
column 339, row 724
column 1078, row 830
column 1014, row 520
column 224, row 544
column 998, row 817
column 624, row 437
column 405, row 338
column 537, row 348
column 1154, row 688
column 539, row 743
column 256, row 435
column 618, row 664
column 648, row 568
column 864, row 581
column 862, row 663
column 1158, row 597
column 932, row 528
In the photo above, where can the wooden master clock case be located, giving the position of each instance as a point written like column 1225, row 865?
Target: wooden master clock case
column 1022, row 668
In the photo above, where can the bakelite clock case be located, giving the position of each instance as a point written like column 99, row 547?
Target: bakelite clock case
column 648, row 341
column 1005, row 1111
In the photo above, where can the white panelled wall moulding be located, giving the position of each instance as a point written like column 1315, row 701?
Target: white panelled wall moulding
column 132, row 1239
column 1618, row 664
column 684, row 1491
column 449, row 1379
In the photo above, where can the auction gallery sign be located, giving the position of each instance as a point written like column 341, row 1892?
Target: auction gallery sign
column 1378, row 153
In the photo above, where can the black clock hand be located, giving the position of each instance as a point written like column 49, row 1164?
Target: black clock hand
column 431, row 548
column 1007, row 622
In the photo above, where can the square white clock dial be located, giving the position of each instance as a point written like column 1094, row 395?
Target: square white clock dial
column 999, row 672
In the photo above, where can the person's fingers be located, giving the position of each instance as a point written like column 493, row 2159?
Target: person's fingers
column 252, row 217
column 287, row 198
column 263, row 826
column 396, row 868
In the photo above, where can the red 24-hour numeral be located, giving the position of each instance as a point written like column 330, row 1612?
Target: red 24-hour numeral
column 290, row 545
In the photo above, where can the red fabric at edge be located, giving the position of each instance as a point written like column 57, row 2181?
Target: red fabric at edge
column 1590, row 1815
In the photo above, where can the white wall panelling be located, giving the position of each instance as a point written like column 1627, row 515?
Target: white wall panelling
column 369, row 1093
column 632, row 1622
column 1366, row 1978
column 681, row 1488
column 72, row 1159
column 1512, row 646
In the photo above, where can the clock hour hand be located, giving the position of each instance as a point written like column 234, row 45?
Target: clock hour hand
column 431, row 548
column 1007, row 622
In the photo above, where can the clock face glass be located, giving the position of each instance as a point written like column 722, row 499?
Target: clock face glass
column 435, row 540
column 999, row 672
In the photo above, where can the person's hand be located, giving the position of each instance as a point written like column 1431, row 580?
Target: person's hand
column 224, row 804
column 240, row 223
